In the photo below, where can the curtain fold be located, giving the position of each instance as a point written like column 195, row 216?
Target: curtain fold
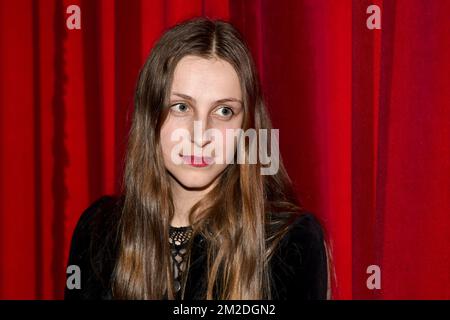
column 364, row 119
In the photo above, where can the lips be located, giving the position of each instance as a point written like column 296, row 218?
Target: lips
column 196, row 161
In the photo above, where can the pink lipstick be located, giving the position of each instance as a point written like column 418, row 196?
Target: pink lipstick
column 198, row 161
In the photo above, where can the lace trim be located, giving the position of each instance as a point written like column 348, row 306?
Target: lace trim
column 179, row 238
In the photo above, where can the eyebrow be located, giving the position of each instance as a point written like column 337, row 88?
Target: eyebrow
column 187, row 97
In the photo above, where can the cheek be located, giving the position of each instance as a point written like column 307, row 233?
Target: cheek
column 165, row 137
column 229, row 140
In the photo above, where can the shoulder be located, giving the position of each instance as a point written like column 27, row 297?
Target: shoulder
column 303, row 239
column 96, row 221
column 93, row 245
column 90, row 214
column 305, row 229
column 300, row 261
column 100, row 216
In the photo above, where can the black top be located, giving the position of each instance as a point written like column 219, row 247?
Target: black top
column 298, row 266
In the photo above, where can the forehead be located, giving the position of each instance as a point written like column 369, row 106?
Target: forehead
column 199, row 77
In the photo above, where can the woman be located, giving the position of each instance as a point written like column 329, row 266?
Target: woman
column 188, row 224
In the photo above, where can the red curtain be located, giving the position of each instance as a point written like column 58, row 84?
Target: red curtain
column 364, row 119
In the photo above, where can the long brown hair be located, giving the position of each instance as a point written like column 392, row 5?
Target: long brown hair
column 233, row 218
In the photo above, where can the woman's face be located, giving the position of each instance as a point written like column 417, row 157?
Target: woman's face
column 205, row 95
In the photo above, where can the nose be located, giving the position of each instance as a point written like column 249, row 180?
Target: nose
column 199, row 136
column 198, row 133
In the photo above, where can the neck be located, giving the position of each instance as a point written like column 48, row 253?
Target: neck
column 184, row 199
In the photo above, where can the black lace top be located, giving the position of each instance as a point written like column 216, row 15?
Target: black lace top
column 179, row 239
column 298, row 265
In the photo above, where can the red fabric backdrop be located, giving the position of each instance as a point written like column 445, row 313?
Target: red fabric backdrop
column 364, row 118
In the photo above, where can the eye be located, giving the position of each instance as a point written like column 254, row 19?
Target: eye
column 224, row 112
column 179, row 107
